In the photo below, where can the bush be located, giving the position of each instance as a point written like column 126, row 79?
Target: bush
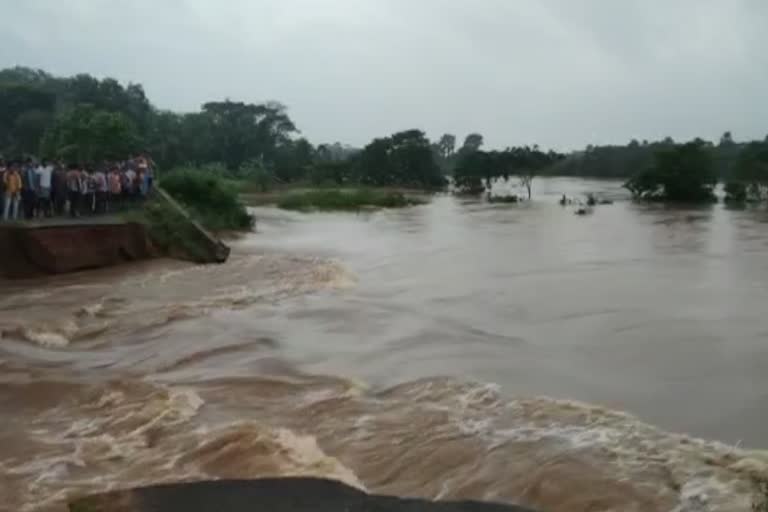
column 345, row 200
column 209, row 198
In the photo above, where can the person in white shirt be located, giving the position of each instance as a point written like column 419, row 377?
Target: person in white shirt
column 99, row 180
column 130, row 176
column 44, row 173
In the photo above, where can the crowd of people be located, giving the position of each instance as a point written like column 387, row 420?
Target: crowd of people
column 32, row 189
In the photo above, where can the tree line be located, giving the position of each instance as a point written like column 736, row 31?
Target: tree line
column 625, row 161
column 86, row 119
column 691, row 171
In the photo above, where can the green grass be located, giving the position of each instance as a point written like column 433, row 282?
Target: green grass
column 345, row 200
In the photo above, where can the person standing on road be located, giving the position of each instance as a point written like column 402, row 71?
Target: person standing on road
column 100, row 185
column 13, row 187
column 59, row 189
column 3, row 168
column 73, row 190
column 86, row 192
column 29, row 189
column 44, row 179
column 115, row 189
column 130, row 187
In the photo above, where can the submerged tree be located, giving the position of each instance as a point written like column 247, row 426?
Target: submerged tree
column 749, row 179
column 680, row 173
column 477, row 170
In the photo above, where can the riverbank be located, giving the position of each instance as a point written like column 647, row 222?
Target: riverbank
column 160, row 227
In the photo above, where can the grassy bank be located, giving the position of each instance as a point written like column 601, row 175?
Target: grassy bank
column 207, row 199
column 171, row 232
column 344, row 199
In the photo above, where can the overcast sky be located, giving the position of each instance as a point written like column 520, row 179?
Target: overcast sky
column 561, row 73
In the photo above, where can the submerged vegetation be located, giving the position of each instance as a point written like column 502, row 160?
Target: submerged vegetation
column 679, row 173
column 341, row 199
column 749, row 179
column 689, row 172
column 476, row 169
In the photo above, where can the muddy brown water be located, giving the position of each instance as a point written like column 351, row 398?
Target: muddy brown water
column 515, row 353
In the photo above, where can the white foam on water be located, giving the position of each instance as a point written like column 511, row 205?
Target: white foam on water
column 713, row 476
column 586, row 442
column 92, row 309
column 46, row 339
column 138, row 435
column 305, row 453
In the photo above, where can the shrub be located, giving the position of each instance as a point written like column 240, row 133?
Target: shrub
column 210, row 199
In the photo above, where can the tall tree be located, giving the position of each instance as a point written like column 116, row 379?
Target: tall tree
column 86, row 134
column 478, row 169
column 447, row 145
column 29, row 128
column 727, row 139
column 293, row 159
column 405, row 159
column 472, row 142
column 22, row 108
column 246, row 131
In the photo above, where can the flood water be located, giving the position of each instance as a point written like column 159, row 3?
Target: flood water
column 460, row 349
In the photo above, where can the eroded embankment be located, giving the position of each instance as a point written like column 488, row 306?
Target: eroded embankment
column 29, row 251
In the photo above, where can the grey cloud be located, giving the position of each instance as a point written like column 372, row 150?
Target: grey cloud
column 561, row 73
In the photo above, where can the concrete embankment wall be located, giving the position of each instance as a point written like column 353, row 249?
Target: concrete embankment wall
column 29, row 251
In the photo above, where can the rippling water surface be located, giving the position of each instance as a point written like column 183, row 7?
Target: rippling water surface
column 516, row 353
